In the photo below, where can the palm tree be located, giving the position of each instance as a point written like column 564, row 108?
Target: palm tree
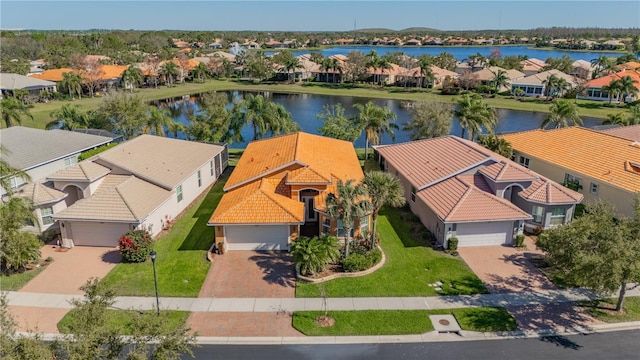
column 200, row 72
column 615, row 119
column 73, row 82
column 425, row 72
column 563, row 113
column 383, row 64
column 602, row 64
column 291, row 64
column 376, row 120
column 157, row 121
column 551, row 85
column 7, row 172
column 132, row 76
column 496, row 144
column 613, row 89
column 474, row 114
column 628, row 87
column 347, row 204
column 169, row 70
column 383, row 189
column 264, row 116
column 13, row 110
column 69, row 117
column 634, row 115
column 500, row 79
column 174, row 127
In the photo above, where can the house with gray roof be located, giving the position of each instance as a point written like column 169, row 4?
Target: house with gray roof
column 536, row 84
column 40, row 153
column 10, row 82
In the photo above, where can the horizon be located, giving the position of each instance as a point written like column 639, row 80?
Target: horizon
column 312, row 16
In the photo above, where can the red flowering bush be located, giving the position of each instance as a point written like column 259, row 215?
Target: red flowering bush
column 135, row 246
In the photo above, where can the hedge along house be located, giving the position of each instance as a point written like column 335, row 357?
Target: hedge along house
column 277, row 192
column 458, row 188
column 143, row 183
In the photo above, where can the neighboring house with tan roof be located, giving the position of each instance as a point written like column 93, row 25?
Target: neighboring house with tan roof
column 486, row 76
column 278, row 188
column 536, row 84
column 459, row 189
column 532, row 66
column 139, row 184
column 607, row 167
column 631, row 132
column 40, row 153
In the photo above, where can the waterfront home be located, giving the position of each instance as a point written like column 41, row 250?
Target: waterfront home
column 487, row 75
column 600, row 165
column 277, row 192
column 9, row 83
column 460, row 189
column 532, row 66
column 537, row 84
column 596, row 89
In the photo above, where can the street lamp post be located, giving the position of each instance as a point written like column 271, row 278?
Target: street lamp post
column 155, row 279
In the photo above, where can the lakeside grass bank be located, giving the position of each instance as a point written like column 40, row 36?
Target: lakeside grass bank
column 41, row 111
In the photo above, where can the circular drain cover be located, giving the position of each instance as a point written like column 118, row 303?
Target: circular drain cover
column 443, row 322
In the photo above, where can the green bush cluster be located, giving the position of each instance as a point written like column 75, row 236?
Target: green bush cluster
column 357, row 261
column 313, row 255
column 89, row 153
column 519, row 240
column 135, row 246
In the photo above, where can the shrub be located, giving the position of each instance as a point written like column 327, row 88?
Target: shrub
column 49, row 259
column 356, row 262
column 89, row 153
column 519, row 240
column 453, row 244
column 376, row 256
column 312, row 255
column 135, row 246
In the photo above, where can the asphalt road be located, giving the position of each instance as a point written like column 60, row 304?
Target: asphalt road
column 623, row 345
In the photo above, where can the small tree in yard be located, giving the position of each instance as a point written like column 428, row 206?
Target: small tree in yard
column 350, row 202
column 312, row 255
column 383, row 189
column 135, row 246
column 596, row 251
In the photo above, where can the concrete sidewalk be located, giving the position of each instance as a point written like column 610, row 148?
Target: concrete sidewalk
column 301, row 304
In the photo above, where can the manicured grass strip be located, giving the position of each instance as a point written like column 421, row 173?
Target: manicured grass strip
column 366, row 322
column 15, row 282
column 41, row 111
column 411, row 265
column 603, row 309
column 122, row 320
column 400, row 322
column 181, row 262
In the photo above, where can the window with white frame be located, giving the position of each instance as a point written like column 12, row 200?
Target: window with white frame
column 326, row 226
column 199, row 179
column 538, row 214
column 364, row 223
column 17, row 181
column 179, row 193
column 524, row 161
column 413, row 194
column 341, row 232
column 211, row 167
column 557, row 216
column 46, row 214
column 71, row 160
column 594, row 188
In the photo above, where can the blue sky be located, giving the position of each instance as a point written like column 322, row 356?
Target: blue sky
column 303, row 15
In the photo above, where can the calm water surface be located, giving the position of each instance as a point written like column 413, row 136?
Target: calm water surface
column 305, row 107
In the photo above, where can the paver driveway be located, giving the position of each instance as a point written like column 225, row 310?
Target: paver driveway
column 242, row 324
column 250, row 274
column 71, row 269
column 505, row 269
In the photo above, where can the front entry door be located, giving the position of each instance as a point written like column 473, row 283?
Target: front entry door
column 309, row 213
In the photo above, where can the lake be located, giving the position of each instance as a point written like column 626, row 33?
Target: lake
column 305, row 107
column 462, row 52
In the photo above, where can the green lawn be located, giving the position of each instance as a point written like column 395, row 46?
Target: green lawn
column 122, row 320
column 400, row 322
column 15, row 282
column 181, row 262
column 601, row 310
column 411, row 265
column 41, row 111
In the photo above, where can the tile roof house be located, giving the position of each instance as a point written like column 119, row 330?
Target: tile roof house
column 458, row 188
column 139, row 184
column 11, row 82
column 536, row 84
column 486, row 76
column 605, row 166
column 631, row 132
column 532, row 66
column 40, row 153
column 595, row 86
column 277, row 191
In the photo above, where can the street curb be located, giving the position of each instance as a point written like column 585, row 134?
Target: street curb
column 431, row 336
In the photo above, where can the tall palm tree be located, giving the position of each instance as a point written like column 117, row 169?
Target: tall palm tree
column 563, row 113
column 263, row 115
column 169, row 70
column 474, row 114
column 500, row 79
column 69, row 117
column 7, row 172
column 496, row 144
column 613, row 89
column 383, row 189
column 174, row 128
column 376, row 120
column 634, row 115
column 72, row 81
column 13, row 110
column 425, row 71
column 383, row 64
column 200, row 72
column 347, row 204
column 132, row 76
column 603, row 64
column 628, row 87
column 291, row 64
column 157, row 120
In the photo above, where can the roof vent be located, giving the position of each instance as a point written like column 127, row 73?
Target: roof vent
column 635, row 144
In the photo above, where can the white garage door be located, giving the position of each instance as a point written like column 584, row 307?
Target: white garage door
column 96, row 233
column 257, row 237
column 480, row 234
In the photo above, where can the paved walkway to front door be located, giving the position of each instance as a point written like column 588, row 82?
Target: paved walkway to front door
column 72, row 268
column 250, row 274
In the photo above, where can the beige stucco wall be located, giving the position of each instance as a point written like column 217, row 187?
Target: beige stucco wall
column 620, row 198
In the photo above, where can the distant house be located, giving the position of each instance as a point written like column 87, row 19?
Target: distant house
column 274, row 44
column 532, row 66
column 215, row 45
column 36, row 66
column 596, row 88
column 602, row 165
column 11, row 82
column 582, row 69
column 413, row 42
column 109, row 75
column 536, row 84
column 143, row 183
column 458, row 188
column 40, row 153
column 486, row 76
